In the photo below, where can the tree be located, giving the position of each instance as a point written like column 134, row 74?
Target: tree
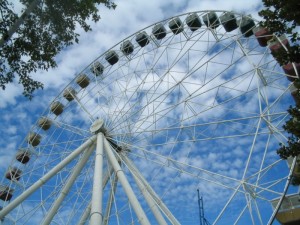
column 292, row 126
column 283, row 17
column 42, row 32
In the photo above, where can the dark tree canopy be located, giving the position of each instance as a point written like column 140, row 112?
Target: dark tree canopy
column 292, row 126
column 283, row 17
column 43, row 33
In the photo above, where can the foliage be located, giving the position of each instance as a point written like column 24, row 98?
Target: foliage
column 292, row 126
column 295, row 180
column 48, row 29
column 283, row 17
column 289, row 150
column 292, row 148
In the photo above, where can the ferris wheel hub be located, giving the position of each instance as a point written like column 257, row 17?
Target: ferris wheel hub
column 174, row 97
column 97, row 126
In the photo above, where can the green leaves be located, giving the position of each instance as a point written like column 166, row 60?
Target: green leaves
column 292, row 149
column 283, row 17
column 48, row 29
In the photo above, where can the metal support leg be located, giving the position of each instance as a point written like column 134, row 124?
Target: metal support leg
column 159, row 202
column 110, row 200
column 84, row 217
column 150, row 201
column 142, row 218
column 76, row 171
column 46, row 177
column 87, row 211
column 96, row 208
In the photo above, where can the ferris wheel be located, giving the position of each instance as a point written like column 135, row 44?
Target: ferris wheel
column 193, row 102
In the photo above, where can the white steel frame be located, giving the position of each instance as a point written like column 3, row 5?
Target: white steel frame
column 93, row 212
column 119, row 159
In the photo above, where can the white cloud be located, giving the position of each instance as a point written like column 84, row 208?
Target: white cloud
column 9, row 95
column 192, row 148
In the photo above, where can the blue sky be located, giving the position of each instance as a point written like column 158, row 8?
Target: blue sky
column 18, row 115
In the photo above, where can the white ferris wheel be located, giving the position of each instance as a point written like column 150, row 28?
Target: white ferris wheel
column 193, row 102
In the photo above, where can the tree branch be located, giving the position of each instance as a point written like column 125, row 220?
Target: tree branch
column 18, row 23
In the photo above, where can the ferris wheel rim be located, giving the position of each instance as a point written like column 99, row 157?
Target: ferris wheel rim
column 133, row 35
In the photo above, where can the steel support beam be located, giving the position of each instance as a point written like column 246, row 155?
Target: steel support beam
column 142, row 218
column 46, row 177
column 159, row 202
column 87, row 211
column 96, row 217
column 150, row 201
column 110, row 200
column 66, row 188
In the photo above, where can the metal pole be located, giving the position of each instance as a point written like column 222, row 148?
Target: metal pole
column 96, row 207
column 87, row 211
column 46, row 177
column 159, row 202
column 273, row 216
column 200, row 205
column 110, row 200
column 76, row 171
column 85, row 215
column 150, row 201
column 142, row 218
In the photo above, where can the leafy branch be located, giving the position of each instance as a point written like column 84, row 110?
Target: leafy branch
column 40, row 36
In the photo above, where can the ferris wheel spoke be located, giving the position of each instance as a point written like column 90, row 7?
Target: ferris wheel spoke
column 227, row 203
column 138, row 210
column 268, row 189
column 183, row 168
column 140, row 85
column 240, row 215
column 86, row 213
column 82, row 107
column 151, row 197
column 77, row 169
column 182, row 108
column 263, row 171
column 110, row 201
column 274, row 129
column 42, row 180
column 251, row 149
column 185, row 100
column 166, row 95
column 258, row 212
column 186, row 119
column 73, row 129
column 249, row 207
column 160, row 80
column 192, row 126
